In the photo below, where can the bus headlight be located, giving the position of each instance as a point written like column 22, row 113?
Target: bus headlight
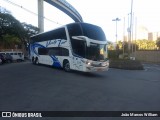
column 86, row 62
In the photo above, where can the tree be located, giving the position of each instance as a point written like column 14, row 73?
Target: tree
column 123, row 45
column 4, row 10
column 110, row 46
column 10, row 27
column 158, row 43
column 146, row 44
column 9, row 41
column 30, row 30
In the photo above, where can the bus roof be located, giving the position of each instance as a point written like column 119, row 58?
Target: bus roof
column 36, row 38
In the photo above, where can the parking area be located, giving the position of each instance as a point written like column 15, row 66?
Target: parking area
column 152, row 67
column 24, row 86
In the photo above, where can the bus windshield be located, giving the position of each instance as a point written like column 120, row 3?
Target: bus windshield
column 97, row 52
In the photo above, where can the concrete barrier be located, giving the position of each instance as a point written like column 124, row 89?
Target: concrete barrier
column 152, row 56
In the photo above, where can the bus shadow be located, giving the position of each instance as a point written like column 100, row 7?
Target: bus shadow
column 89, row 74
column 86, row 74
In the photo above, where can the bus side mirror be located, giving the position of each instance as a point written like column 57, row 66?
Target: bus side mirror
column 88, row 42
column 83, row 38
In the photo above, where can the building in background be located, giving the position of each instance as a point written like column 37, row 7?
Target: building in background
column 153, row 35
column 142, row 33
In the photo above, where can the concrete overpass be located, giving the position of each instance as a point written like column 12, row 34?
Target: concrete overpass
column 63, row 5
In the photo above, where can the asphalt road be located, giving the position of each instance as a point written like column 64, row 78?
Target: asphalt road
column 27, row 87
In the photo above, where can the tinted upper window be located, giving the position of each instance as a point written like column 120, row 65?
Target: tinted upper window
column 84, row 29
column 74, row 30
column 93, row 32
column 51, row 35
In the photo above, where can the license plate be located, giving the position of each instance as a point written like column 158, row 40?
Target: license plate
column 99, row 69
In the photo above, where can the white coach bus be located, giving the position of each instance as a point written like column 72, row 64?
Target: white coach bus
column 76, row 46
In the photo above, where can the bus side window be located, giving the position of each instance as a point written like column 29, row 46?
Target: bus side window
column 64, row 52
column 42, row 51
column 54, row 51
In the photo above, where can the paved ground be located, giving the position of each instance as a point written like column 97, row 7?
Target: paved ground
column 24, row 86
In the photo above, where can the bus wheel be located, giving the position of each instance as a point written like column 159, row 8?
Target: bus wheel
column 1, row 61
column 33, row 60
column 66, row 66
column 36, row 61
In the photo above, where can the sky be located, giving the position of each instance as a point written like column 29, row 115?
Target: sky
column 98, row 12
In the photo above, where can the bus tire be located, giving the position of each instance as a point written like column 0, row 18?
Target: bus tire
column 66, row 66
column 36, row 61
column 9, row 61
column 1, row 61
column 33, row 60
column 19, row 60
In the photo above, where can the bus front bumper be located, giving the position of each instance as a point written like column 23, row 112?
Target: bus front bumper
column 92, row 68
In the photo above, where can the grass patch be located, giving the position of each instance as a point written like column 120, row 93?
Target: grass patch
column 126, row 64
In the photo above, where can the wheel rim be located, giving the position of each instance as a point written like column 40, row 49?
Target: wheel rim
column 8, row 61
column 67, row 67
column 0, row 61
column 32, row 60
column 37, row 62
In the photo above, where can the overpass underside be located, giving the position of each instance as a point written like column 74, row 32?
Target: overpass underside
column 60, row 4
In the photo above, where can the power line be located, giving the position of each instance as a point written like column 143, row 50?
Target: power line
column 30, row 11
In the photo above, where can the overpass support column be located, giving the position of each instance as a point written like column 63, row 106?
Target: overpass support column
column 40, row 16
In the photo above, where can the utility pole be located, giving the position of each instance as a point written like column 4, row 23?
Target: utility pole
column 130, row 28
column 40, row 16
column 123, row 35
column 135, row 35
column 116, row 20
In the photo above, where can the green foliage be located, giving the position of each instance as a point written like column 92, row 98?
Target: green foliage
column 12, row 32
column 30, row 30
column 138, row 45
column 114, row 54
column 9, row 41
column 9, row 25
column 110, row 46
column 146, row 44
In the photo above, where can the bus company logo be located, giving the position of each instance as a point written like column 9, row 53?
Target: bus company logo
column 50, row 42
column 56, row 42
column 6, row 114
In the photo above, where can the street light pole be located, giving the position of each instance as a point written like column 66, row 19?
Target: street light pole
column 130, row 28
column 116, row 20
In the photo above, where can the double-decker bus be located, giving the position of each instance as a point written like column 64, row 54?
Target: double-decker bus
column 75, row 46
